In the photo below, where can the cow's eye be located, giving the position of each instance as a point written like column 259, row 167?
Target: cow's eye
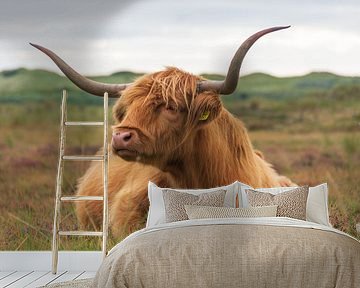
column 171, row 112
column 120, row 115
column 171, row 108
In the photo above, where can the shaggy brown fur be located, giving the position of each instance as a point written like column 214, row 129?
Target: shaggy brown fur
column 175, row 148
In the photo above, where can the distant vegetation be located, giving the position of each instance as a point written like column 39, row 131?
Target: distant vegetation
column 30, row 85
column 308, row 127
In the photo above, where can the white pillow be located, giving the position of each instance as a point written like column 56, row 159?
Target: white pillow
column 156, row 214
column 316, row 206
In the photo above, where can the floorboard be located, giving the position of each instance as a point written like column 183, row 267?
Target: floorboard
column 12, row 278
column 87, row 275
column 31, row 269
column 5, row 274
column 32, row 279
column 46, row 279
column 28, row 279
column 68, row 276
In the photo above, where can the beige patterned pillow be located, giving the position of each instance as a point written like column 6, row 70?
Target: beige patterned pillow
column 175, row 201
column 201, row 212
column 290, row 203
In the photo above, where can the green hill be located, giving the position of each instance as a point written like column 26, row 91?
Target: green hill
column 266, row 86
column 33, row 85
column 21, row 85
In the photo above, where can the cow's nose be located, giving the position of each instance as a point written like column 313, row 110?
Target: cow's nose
column 123, row 136
column 121, row 140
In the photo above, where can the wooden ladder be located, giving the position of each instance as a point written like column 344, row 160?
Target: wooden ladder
column 59, row 179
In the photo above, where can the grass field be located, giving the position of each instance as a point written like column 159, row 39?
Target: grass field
column 310, row 141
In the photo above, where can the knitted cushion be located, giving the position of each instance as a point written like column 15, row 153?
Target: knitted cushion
column 174, row 202
column 290, row 203
column 200, row 212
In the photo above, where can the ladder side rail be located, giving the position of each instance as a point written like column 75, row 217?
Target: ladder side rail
column 105, row 177
column 59, row 179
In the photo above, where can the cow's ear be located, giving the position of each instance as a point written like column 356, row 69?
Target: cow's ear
column 205, row 108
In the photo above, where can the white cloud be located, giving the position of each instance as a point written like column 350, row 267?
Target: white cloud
column 198, row 36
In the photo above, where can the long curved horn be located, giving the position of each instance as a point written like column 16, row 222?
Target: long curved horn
column 90, row 86
column 228, row 86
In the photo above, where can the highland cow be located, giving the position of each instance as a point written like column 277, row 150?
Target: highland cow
column 172, row 129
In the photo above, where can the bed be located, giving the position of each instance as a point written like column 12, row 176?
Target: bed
column 233, row 252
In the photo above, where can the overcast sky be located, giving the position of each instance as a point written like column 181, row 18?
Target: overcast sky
column 101, row 37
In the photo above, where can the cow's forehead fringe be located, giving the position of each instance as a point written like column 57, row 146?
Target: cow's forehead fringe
column 172, row 85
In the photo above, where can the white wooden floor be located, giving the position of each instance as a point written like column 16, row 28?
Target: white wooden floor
column 31, row 279
column 33, row 269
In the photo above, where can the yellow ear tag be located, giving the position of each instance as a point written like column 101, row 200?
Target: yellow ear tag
column 204, row 116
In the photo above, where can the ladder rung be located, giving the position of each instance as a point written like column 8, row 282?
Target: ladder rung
column 82, row 198
column 85, row 158
column 83, row 123
column 80, row 233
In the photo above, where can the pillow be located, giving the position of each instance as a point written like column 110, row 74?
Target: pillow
column 201, row 212
column 290, row 203
column 156, row 214
column 316, row 206
column 174, row 202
